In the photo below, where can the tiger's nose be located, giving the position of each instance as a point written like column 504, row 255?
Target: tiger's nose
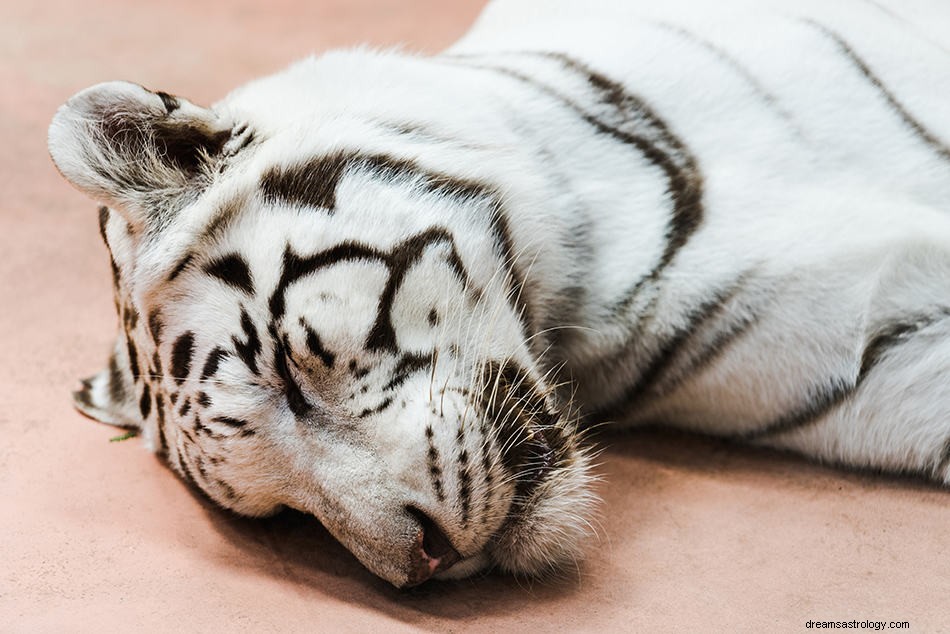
column 431, row 552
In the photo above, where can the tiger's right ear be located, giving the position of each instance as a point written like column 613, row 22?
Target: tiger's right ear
column 139, row 151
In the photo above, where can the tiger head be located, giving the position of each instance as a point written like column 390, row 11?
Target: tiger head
column 308, row 323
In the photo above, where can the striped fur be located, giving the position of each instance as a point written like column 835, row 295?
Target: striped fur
column 389, row 290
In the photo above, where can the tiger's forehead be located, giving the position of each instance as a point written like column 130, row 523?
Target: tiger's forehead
column 308, row 203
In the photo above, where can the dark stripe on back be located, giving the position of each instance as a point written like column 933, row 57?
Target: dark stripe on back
column 182, row 351
column 639, row 126
column 728, row 60
column 925, row 135
column 233, row 270
column 661, row 147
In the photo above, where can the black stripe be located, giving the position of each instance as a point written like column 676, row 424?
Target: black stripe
column 185, row 408
column 155, row 326
column 311, row 184
column 315, row 345
column 185, row 470
column 333, row 166
column 295, row 267
column 83, row 396
column 668, row 352
column 435, row 471
column 651, row 136
column 398, row 260
column 297, row 402
column 938, row 146
column 664, row 149
column 233, row 270
column 464, row 478
column 203, row 399
column 182, row 351
column 818, row 403
column 386, row 402
column 228, row 490
column 104, row 215
column 201, row 428
column 212, row 362
column 145, row 403
column 887, row 337
column 103, row 223
column 382, row 335
column 103, row 233
column 160, row 411
column 224, row 216
column 734, row 64
column 408, row 364
column 824, row 399
column 182, row 264
column 170, row 102
column 710, row 355
column 236, row 423
column 156, row 370
column 248, row 349
column 895, row 334
column 133, row 355
column 117, row 392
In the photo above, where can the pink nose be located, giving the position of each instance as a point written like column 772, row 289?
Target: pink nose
column 432, row 551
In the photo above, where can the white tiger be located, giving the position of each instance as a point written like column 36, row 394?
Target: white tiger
column 385, row 288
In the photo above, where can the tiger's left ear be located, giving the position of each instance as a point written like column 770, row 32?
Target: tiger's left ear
column 139, row 151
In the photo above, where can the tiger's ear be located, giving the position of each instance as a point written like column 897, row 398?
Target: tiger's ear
column 134, row 149
column 109, row 396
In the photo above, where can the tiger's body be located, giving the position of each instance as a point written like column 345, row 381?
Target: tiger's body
column 384, row 288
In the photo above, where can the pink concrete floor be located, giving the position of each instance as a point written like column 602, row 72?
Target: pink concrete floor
column 99, row 536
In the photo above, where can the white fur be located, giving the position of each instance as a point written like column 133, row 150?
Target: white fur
column 825, row 222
